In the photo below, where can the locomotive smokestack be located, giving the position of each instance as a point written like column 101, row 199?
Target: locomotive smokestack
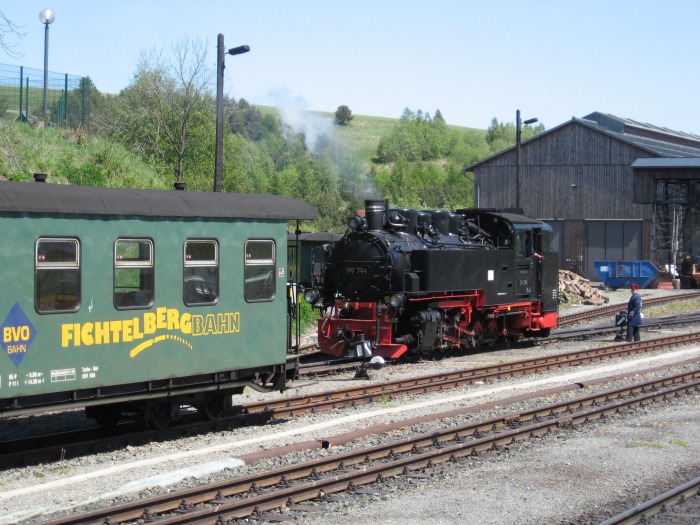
column 374, row 214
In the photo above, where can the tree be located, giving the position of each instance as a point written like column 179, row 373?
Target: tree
column 418, row 136
column 167, row 110
column 81, row 102
column 343, row 115
column 245, row 120
column 9, row 29
column 438, row 118
column 500, row 136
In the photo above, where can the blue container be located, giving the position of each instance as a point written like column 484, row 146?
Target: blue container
column 622, row 274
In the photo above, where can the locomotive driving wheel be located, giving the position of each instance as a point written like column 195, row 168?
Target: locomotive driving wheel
column 478, row 338
column 491, row 332
column 514, row 339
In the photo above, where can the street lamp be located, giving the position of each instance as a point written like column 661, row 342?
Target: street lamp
column 47, row 16
column 221, row 54
column 517, row 151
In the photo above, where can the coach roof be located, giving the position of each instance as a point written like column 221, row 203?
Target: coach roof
column 37, row 197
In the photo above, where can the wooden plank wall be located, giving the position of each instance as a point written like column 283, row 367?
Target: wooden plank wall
column 573, row 174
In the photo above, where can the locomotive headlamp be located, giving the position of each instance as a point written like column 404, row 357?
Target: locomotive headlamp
column 311, row 296
column 355, row 222
column 397, row 300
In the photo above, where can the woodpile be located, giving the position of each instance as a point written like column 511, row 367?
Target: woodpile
column 578, row 290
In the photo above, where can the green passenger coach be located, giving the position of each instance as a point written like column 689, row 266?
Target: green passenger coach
column 140, row 301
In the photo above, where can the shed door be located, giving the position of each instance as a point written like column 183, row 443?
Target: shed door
column 612, row 241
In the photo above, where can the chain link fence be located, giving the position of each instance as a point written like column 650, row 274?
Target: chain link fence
column 22, row 97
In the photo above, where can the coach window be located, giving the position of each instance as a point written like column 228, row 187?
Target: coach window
column 133, row 273
column 57, row 275
column 201, row 279
column 259, row 274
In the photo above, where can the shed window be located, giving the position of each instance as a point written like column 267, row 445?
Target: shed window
column 57, row 275
column 201, row 276
column 133, row 273
column 259, row 273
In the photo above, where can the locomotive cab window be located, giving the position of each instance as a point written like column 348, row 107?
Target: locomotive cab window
column 57, row 275
column 526, row 243
column 201, row 276
column 133, row 273
column 259, row 273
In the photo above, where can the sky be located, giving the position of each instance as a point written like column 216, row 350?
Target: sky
column 473, row 60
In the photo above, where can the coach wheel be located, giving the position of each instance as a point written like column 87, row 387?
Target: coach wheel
column 211, row 409
column 217, row 406
column 157, row 416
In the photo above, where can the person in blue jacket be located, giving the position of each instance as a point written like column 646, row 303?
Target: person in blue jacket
column 634, row 314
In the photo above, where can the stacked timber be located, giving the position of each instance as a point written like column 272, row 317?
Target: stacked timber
column 576, row 289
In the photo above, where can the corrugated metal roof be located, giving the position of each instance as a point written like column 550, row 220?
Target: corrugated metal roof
column 614, row 127
column 36, row 197
column 632, row 127
column 674, row 163
column 664, row 149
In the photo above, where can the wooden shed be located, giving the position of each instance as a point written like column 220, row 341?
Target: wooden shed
column 612, row 189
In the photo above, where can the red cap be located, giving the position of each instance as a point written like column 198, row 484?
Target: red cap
column 634, row 286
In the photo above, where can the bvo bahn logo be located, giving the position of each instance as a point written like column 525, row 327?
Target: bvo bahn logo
column 17, row 334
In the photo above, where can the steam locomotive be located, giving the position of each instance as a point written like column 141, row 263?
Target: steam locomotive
column 403, row 281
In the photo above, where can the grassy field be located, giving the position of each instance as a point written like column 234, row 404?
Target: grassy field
column 364, row 132
column 25, row 150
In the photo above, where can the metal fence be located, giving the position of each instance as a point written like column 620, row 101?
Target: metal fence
column 22, row 97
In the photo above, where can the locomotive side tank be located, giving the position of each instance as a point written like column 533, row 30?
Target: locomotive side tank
column 408, row 281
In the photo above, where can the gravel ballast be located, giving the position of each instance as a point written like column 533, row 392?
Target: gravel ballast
column 580, row 475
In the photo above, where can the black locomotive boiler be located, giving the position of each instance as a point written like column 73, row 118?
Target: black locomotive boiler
column 404, row 281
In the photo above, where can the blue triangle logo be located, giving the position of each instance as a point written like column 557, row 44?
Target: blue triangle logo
column 16, row 334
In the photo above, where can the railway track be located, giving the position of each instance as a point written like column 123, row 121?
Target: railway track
column 645, row 511
column 73, row 444
column 603, row 311
column 649, row 323
column 296, row 405
column 281, row 491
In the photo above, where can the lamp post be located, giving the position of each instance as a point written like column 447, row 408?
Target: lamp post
column 47, row 16
column 221, row 54
column 517, row 152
